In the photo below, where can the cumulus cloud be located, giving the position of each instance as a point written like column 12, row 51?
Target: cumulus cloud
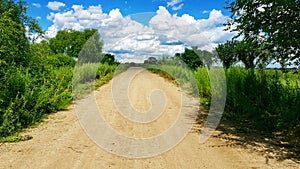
column 55, row 5
column 37, row 5
column 129, row 40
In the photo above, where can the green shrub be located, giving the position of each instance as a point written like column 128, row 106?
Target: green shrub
column 60, row 60
column 203, row 82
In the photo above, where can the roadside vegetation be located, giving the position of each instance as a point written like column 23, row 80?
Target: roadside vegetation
column 262, row 104
column 39, row 78
column 36, row 78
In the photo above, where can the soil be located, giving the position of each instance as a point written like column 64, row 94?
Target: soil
column 61, row 142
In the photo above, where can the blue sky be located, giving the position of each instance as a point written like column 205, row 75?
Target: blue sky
column 197, row 8
column 133, row 29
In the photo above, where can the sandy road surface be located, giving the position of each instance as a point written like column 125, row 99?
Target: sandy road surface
column 60, row 141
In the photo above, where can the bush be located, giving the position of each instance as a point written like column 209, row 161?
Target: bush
column 26, row 98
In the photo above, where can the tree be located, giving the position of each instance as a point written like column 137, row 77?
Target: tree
column 71, row 42
column 275, row 23
column 91, row 51
column 41, row 49
column 108, row 58
column 226, row 53
column 247, row 52
column 190, row 58
column 14, row 44
column 205, row 56
column 151, row 60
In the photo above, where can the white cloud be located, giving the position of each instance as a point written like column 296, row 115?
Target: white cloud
column 37, row 5
column 131, row 41
column 205, row 11
column 55, row 5
column 176, row 8
column 175, row 4
column 115, row 13
column 38, row 17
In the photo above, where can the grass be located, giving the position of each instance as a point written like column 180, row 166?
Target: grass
column 27, row 98
column 262, row 106
column 177, row 74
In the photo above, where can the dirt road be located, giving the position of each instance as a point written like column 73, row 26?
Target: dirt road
column 60, row 141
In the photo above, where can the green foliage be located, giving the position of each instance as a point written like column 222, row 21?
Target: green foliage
column 60, row 60
column 190, row 58
column 85, row 73
column 182, row 75
column 247, row 52
column 36, row 79
column 250, row 53
column 90, row 75
column 14, row 46
column 150, row 60
column 108, row 59
column 206, row 56
column 91, row 52
column 72, row 42
column 203, row 82
column 263, row 97
column 274, row 23
column 226, row 53
column 25, row 97
column 168, row 61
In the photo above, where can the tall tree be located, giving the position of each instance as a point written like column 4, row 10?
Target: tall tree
column 14, row 44
column 273, row 22
column 247, row 52
column 91, row 51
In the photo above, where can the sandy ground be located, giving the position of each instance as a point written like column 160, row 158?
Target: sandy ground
column 61, row 142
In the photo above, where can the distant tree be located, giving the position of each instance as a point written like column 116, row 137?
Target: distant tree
column 206, row 56
column 250, row 53
column 91, row 51
column 226, row 53
column 71, row 42
column 190, row 58
column 108, row 58
column 151, row 60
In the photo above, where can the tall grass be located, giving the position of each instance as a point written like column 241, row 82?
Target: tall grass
column 263, row 97
column 179, row 74
column 89, row 76
column 203, row 82
column 28, row 95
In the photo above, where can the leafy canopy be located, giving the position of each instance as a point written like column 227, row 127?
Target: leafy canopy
column 274, row 23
